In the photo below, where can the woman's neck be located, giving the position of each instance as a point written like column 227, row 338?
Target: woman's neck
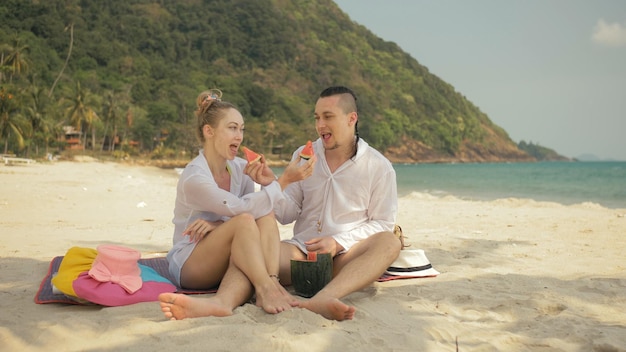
column 216, row 164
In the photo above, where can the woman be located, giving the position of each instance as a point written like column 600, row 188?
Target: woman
column 225, row 233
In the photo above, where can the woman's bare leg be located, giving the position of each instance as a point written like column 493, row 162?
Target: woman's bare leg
column 270, row 244
column 207, row 264
column 238, row 243
column 234, row 290
column 248, row 255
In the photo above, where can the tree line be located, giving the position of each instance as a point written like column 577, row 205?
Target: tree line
column 125, row 74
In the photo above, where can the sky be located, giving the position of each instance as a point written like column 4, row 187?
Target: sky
column 550, row 72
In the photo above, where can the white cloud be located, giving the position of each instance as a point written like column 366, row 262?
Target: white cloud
column 610, row 34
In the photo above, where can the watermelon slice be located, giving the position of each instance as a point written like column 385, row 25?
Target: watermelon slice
column 307, row 151
column 250, row 155
column 311, row 256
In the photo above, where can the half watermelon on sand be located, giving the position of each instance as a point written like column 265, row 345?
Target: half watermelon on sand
column 311, row 275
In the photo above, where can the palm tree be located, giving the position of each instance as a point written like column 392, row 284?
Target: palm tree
column 112, row 116
column 4, row 49
column 11, row 122
column 67, row 59
column 42, row 125
column 271, row 131
column 91, row 121
column 81, row 112
column 14, row 59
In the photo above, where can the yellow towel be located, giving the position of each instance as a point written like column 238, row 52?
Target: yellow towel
column 77, row 260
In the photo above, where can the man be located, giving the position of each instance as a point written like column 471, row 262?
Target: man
column 347, row 207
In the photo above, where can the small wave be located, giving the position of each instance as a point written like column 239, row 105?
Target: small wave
column 589, row 205
column 420, row 195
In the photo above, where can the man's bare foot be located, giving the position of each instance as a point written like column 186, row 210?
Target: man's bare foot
column 274, row 298
column 178, row 306
column 329, row 308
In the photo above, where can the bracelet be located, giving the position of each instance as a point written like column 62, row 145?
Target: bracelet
column 276, row 276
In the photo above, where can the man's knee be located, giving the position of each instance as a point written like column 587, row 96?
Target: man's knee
column 288, row 252
column 291, row 251
column 387, row 242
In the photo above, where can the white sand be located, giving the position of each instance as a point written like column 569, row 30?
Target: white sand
column 516, row 275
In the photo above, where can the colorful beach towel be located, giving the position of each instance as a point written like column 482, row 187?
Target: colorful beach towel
column 46, row 294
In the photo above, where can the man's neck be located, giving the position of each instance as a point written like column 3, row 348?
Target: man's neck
column 336, row 157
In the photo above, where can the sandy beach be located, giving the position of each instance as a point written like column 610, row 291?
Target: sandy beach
column 516, row 274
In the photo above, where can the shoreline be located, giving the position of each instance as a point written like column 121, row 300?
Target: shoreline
column 177, row 164
column 515, row 273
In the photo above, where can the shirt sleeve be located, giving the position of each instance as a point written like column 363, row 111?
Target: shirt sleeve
column 203, row 194
column 288, row 207
column 382, row 210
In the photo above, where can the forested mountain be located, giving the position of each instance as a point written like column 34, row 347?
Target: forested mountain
column 541, row 153
column 131, row 70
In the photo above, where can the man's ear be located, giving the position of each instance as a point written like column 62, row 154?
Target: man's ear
column 353, row 118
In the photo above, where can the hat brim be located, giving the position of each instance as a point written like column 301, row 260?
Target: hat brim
column 426, row 272
column 412, row 263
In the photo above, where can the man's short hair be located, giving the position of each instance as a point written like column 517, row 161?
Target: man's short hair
column 348, row 99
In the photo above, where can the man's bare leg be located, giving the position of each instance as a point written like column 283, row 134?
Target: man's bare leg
column 234, row 290
column 358, row 268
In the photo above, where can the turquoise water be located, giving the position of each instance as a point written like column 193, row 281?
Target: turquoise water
column 562, row 182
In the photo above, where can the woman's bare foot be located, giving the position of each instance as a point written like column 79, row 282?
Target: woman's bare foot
column 293, row 301
column 274, row 298
column 179, row 306
column 329, row 308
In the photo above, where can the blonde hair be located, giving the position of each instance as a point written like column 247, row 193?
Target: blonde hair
column 213, row 93
column 210, row 110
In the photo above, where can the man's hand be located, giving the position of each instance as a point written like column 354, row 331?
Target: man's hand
column 297, row 171
column 198, row 229
column 324, row 245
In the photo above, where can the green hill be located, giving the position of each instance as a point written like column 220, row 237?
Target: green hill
column 541, row 153
column 131, row 70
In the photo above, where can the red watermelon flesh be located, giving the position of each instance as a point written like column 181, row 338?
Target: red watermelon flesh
column 307, row 151
column 250, row 155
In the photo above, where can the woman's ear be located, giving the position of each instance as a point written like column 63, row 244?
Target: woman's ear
column 208, row 131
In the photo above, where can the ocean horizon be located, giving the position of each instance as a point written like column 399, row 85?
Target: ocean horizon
column 600, row 182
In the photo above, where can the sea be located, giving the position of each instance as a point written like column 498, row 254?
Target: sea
column 603, row 183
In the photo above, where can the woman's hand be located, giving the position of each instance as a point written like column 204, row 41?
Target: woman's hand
column 259, row 172
column 198, row 229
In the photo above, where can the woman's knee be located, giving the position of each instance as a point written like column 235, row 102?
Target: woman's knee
column 244, row 219
column 268, row 217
